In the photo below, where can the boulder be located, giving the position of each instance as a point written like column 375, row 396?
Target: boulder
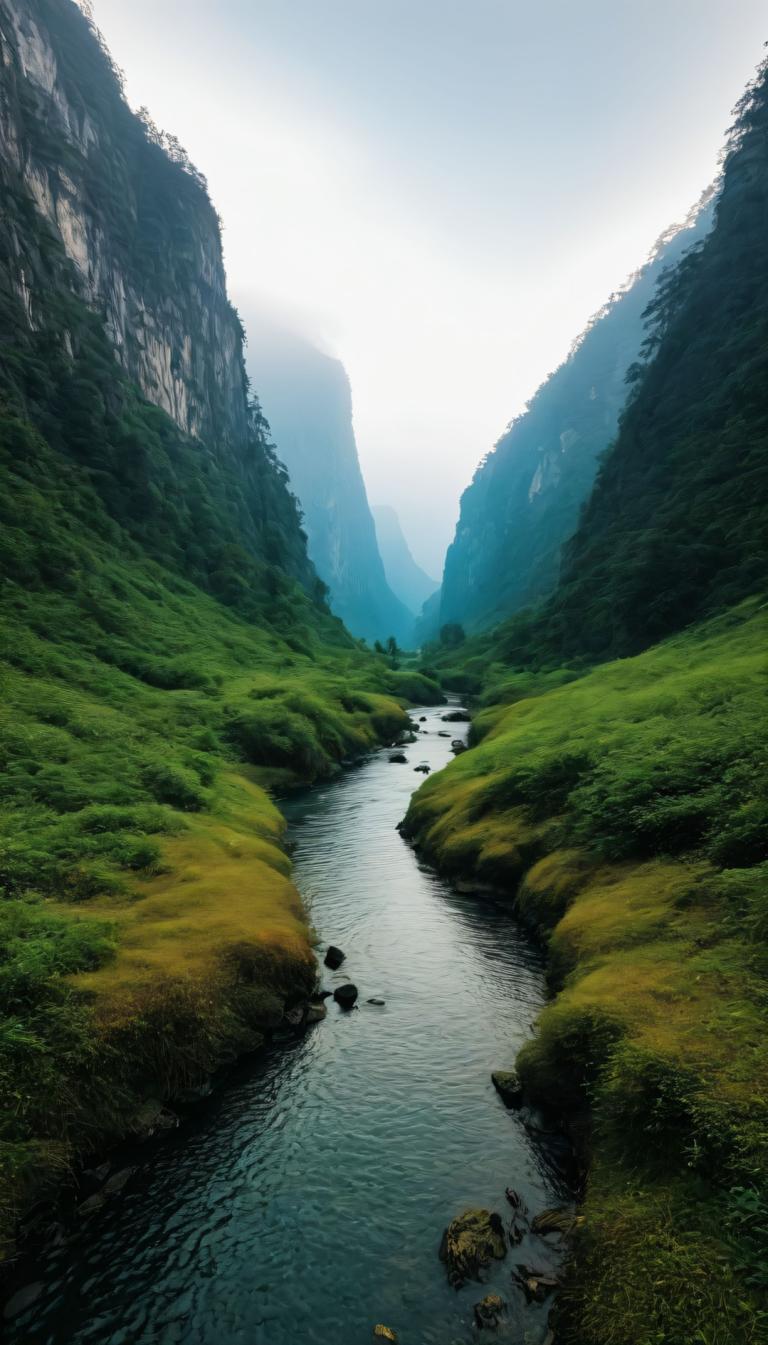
column 345, row 996
column 519, row 1225
column 423, row 719
column 456, row 717
column 536, row 1284
column 316, row 1011
column 152, row 1118
column 333, row 958
column 457, row 747
column 443, row 733
column 561, row 1222
column 377, row 1001
column 489, row 1310
column 508, row 1086
column 470, row 1243
column 423, row 769
column 385, row 1332
column 398, row 759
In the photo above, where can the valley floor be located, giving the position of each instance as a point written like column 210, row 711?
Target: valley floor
column 625, row 811
column 149, row 927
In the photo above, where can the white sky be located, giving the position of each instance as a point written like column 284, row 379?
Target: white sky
column 440, row 192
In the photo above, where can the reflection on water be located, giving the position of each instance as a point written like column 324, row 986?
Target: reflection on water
column 306, row 1201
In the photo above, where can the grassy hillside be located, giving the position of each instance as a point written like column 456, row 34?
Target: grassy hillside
column 626, row 809
column 166, row 653
column 148, row 924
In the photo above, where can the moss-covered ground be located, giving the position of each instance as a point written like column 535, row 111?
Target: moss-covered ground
column 149, row 927
column 626, row 808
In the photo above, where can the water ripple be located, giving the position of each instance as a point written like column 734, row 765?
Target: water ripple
column 306, row 1201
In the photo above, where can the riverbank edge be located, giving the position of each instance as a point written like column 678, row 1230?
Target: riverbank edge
column 158, row 1045
column 558, row 1071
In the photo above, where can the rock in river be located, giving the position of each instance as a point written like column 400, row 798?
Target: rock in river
column 423, row 769
column 508, row 1086
column 489, row 1310
column 536, row 1283
column 345, row 995
column 456, row 717
column 333, row 958
column 398, row 759
column 470, row 1243
column 457, row 747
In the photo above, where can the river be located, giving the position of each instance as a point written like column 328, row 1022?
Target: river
column 305, row 1200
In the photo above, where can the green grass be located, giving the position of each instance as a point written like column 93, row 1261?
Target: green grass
column 626, row 811
column 148, row 922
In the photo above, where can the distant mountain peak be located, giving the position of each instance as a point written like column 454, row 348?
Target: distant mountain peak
column 412, row 585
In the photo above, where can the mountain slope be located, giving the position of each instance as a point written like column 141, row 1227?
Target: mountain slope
column 677, row 525
column 166, row 652
column 524, row 500
column 623, row 810
column 307, row 400
column 407, row 579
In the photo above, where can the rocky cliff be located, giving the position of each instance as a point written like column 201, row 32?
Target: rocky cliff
column 307, row 401
column 405, row 577
column 525, row 498
column 145, row 244
column 118, row 342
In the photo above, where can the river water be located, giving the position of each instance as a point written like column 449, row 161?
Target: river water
column 305, row 1200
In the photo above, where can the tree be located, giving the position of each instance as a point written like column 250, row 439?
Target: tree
column 452, row 635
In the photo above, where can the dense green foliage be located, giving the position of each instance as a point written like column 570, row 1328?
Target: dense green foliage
column 523, row 503
column 167, row 654
column 677, row 526
column 627, row 812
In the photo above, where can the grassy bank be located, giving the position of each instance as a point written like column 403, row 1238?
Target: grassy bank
column 625, row 809
column 149, row 927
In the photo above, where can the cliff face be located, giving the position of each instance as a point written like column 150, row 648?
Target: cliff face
column 404, row 576
column 524, row 501
column 307, row 401
column 145, row 245
column 117, row 340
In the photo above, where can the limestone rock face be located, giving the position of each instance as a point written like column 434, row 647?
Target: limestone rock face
column 169, row 319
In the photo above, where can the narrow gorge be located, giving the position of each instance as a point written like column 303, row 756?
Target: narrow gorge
column 379, row 958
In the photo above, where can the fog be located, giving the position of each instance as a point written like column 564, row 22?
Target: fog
column 439, row 193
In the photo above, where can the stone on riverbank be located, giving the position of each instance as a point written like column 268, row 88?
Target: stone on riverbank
column 537, row 1284
column 508, row 1086
column 489, row 1310
column 471, row 1242
column 345, row 996
column 561, row 1222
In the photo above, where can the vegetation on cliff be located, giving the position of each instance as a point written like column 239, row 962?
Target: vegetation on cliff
column 627, row 811
column 524, row 500
column 167, row 652
column 624, row 809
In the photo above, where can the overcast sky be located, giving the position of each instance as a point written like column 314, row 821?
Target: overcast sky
column 440, row 192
